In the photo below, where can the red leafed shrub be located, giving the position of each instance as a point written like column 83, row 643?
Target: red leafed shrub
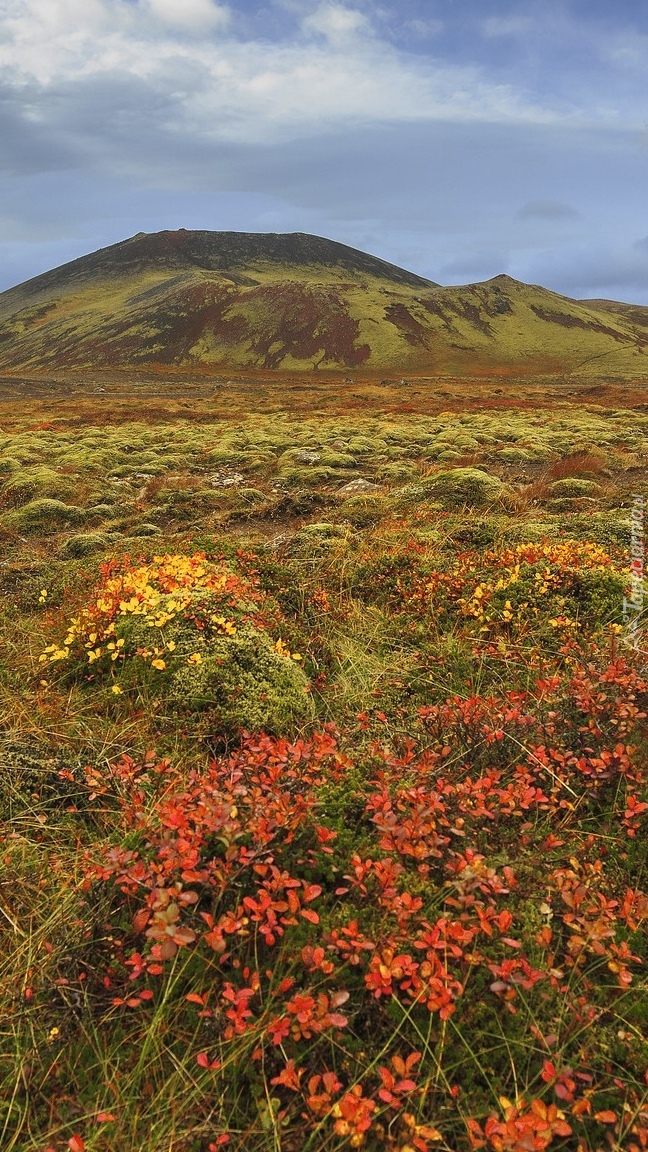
column 472, row 888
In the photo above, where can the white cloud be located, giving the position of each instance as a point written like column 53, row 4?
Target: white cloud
column 194, row 15
column 334, row 70
column 337, row 24
column 424, row 28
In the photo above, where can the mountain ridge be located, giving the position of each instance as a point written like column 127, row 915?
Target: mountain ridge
column 236, row 301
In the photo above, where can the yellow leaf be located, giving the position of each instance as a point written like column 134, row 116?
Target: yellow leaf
column 159, row 664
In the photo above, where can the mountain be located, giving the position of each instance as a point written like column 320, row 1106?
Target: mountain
column 236, row 301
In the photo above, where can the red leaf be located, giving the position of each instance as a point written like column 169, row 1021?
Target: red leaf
column 338, row 1020
column 76, row 1143
column 606, row 1117
column 309, row 915
column 104, row 1117
column 339, row 998
column 311, row 891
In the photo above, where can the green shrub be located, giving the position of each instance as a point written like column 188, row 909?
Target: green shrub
column 599, row 594
column 243, row 683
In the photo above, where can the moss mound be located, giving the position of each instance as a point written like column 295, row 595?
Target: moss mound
column 145, row 530
column 26, row 484
column 187, row 633
column 244, row 683
column 454, row 489
column 86, row 543
column 574, row 486
column 43, row 515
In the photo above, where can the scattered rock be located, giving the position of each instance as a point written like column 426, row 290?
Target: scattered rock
column 355, row 487
column 226, row 479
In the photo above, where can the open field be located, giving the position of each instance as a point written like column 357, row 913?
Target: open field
column 324, row 764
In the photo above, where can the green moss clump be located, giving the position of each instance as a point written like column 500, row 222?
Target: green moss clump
column 361, row 511
column 86, row 543
column 461, row 486
column 30, row 483
column 330, row 459
column 243, row 683
column 574, row 486
column 312, row 539
column 366, row 445
column 145, row 530
column 43, row 516
column 251, row 495
column 571, row 504
column 454, row 488
column 393, row 473
column 530, row 530
column 307, row 477
column 513, row 455
column 447, row 455
column 321, row 530
column 476, row 532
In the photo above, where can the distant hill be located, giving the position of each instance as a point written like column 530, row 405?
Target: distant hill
column 235, row 301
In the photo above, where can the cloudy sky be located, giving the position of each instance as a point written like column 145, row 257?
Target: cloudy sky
column 458, row 138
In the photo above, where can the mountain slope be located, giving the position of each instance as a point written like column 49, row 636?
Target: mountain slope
column 238, row 301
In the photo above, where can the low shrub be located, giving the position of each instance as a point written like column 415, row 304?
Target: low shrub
column 193, row 633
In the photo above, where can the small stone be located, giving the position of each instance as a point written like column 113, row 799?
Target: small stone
column 223, row 480
column 358, row 486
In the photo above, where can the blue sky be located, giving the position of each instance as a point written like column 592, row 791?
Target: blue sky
column 458, row 138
